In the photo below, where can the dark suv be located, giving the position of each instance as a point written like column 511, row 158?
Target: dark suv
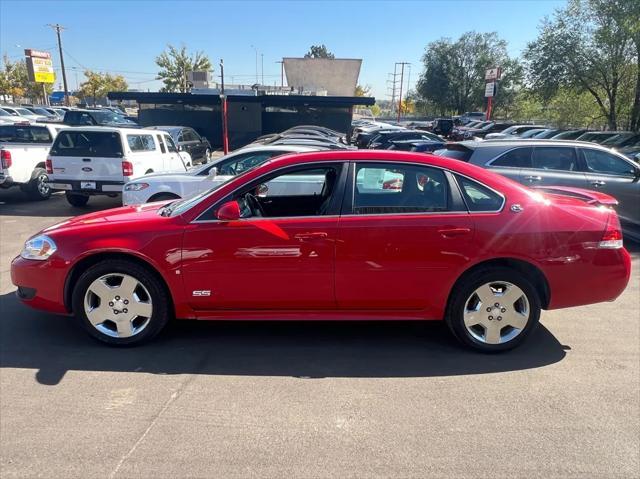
column 97, row 118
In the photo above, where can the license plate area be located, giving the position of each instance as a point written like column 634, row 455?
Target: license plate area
column 87, row 185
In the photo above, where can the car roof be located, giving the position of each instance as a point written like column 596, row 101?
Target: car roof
column 112, row 129
column 473, row 145
column 169, row 128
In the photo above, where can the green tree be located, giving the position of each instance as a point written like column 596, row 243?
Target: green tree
column 453, row 77
column 14, row 82
column 97, row 85
column 319, row 51
column 587, row 48
column 175, row 63
column 363, row 90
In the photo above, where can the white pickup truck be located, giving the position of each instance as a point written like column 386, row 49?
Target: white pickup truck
column 86, row 161
column 24, row 147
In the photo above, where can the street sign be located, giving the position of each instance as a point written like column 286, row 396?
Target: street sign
column 39, row 66
column 493, row 73
column 490, row 89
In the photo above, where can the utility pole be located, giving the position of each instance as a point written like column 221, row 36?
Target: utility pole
column 281, row 62
column 57, row 27
column 256, row 50
column 402, row 64
column 393, row 82
column 262, row 68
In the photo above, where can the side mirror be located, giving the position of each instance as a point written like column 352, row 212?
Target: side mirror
column 213, row 172
column 229, row 211
column 180, row 148
column 203, row 139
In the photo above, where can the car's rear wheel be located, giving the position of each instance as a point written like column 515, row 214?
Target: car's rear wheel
column 38, row 187
column 120, row 302
column 76, row 200
column 493, row 309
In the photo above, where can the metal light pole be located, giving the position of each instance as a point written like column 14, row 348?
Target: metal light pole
column 57, row 27
column 256, row 50
column 262, row 68
column 223, row 104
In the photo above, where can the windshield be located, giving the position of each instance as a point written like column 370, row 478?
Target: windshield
column 107, row 116
column 4, row 113
column 40, row 111
column 178, row 207
column 23, row 112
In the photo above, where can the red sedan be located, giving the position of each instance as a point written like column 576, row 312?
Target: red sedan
column 449, row 241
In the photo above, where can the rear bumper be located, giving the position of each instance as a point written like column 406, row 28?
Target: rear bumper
column 77, row 186
column 578, row 282
column 40, row 284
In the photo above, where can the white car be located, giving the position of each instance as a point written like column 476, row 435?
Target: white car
column 96, row 160
column 23, row 113
column 171, row 186
column 8, row 118
column 24, row 148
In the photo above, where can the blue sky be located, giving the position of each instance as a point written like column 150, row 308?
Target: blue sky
column 124, row 37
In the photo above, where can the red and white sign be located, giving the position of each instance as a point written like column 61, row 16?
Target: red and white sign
column 493, row 73
column 490, row 89
column 29, row 52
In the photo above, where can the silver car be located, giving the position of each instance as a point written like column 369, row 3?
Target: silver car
column 561, row 163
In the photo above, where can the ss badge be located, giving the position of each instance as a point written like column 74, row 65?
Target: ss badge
column 203, row 292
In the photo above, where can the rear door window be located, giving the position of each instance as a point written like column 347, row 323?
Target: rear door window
column 24, row 134
column 399, row 188
column 555, row 158
column 87, row 144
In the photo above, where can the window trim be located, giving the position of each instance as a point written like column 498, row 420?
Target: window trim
column 504, row 199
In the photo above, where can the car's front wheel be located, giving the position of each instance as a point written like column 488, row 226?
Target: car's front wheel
column 493, row 310
column 120, row 302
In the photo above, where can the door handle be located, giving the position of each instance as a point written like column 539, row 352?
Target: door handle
column 86, row 159
column 310, row 236
column 452, row 232
column 598, row 183
column 533, row 178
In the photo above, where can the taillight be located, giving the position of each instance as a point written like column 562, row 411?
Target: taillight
column 5, row 155
column 49, row 166
column 612, row 237
column 127, row 168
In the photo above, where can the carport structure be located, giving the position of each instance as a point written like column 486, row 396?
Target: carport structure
column 248, row 116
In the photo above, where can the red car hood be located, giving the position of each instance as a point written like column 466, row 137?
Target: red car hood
column 116, row 215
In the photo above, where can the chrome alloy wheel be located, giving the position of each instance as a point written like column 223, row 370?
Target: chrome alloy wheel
column 43, row 185
column 118, row 305
column 496, row 312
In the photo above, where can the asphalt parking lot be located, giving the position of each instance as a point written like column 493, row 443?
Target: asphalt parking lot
column 313, row 399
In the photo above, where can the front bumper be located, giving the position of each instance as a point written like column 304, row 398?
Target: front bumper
column 40, row 283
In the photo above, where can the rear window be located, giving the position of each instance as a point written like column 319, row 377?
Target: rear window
column 24, row 134
column 455, row 152
column 87, row 143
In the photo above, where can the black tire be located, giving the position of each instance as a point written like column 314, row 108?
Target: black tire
column 466, row 286
column 159, row 297
column 38, row 189
column 163, row 197
column 76, row 199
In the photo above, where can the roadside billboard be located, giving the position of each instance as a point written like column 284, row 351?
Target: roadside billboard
column 39, row 66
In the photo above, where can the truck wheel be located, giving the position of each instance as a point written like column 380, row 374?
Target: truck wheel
column 77, row 200
column 38, row 187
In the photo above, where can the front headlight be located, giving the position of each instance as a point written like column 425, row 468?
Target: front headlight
column 39, row 248
column 135, row 186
